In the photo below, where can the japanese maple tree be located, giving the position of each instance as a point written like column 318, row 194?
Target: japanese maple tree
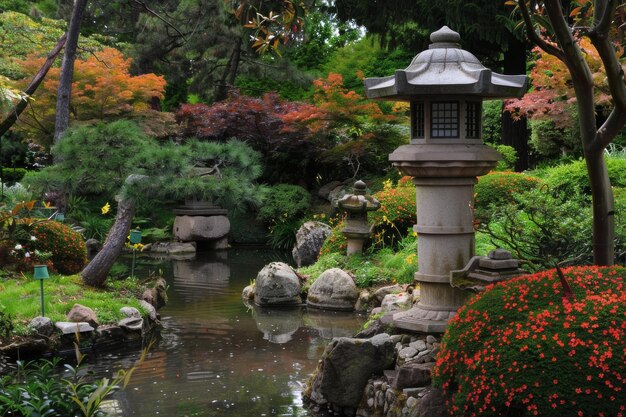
column 558, row 28
column 103, row 89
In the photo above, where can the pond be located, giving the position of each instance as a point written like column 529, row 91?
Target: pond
column 218, row 357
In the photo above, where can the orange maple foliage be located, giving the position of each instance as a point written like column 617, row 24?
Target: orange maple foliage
column 103, row 89
column 335, row 106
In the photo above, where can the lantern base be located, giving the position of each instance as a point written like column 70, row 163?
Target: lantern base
column 421, row 320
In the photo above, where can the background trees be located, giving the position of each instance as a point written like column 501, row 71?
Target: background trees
column 561, row 29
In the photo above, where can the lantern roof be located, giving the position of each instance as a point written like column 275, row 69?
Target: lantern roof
column 445, row 69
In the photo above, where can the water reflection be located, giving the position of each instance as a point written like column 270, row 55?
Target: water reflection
column 277, row 325
column 219, row 357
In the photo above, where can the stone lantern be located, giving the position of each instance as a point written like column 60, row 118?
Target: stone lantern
column 356, row 206
column 445, row 86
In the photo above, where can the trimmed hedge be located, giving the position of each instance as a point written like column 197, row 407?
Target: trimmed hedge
column 499, row 188
column 521, row 349
column 12, row 175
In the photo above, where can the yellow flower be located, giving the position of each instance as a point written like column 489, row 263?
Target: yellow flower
column 105, row 209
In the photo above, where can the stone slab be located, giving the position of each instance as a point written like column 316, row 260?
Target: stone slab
column 68, row 327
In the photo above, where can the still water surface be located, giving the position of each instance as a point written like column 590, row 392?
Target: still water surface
column 219, row 357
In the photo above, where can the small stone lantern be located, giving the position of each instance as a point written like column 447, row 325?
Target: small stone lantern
column 445, row 86
column 356, row 205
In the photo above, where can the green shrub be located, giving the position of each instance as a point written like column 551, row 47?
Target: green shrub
column 69, row 254
column 540, row 228
column 572, row 179
column 37, row 390
column 492, row 121
column 509, row 157
column 258, row 86
column 282, row 210
column 96, row 227
column 15, row 194
column 12, row 175
column 336, row 242
column 284, row 201
column 553, row 142
column 384, row 266
column 522, row 349
column 499, row 188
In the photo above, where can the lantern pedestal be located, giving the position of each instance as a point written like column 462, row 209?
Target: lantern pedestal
column 444, row 177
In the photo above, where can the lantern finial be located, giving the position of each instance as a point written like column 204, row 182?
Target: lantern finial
column 445, row 35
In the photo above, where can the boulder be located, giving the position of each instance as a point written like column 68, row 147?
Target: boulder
column 334, row 289
column 130, row 312
column 41, row 325
column 363, row 303
column 80, row 313
column 132, row 324
column 277, row 284
column 346, row 366
column 152, row 313
column 396, row 302
column 309, row 240
column 194, row 228
column 325, row 190
column 157, row 295
column 248, row 293
column 383, row 291
column 93, row 247
column 412, row 375
column 432, row 404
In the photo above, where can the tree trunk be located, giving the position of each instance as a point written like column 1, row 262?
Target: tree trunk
column 230, row 72
column 64, row 91
column 603, row 210
column 95, row 273
column 10, row 120
column 515, row 132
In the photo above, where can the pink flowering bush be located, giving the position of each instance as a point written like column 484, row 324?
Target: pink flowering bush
column 521, row 349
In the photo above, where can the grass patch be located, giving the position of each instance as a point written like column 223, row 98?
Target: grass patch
column 20, row 298
column 371, row 268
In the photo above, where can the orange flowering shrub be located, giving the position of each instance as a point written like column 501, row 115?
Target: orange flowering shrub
column 69, row 254
column 391, row 222
column 522, row 349
column 396, row 215
column 498, row 188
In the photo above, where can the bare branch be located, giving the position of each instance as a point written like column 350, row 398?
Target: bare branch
column 161, row 18
column 615, row 77
column 602, row 16
column 534, row 37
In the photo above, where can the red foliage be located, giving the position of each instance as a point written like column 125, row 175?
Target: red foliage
column 243, row 117
column 290, row 152
column 553, row 90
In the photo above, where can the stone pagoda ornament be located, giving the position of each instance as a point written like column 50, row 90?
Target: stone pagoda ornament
column 356, row 206
column 445, row 86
